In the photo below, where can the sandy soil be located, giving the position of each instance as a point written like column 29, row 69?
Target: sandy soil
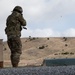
column 35, row 50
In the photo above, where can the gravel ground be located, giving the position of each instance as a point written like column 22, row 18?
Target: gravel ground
column 56, row 70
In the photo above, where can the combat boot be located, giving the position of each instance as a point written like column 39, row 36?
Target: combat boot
column 15, row 64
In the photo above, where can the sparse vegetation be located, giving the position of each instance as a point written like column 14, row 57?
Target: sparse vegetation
column 66, row 44
column 56, row 54
column 47, row 38
column 62, row 49
column 34, row 38
column 37, row 38
column 5, row 49
column 65, row 38
column 65, row 53
column 29, row 37
column 26, row 41
column 42, row 47
column 46, row 45
column 72, row 53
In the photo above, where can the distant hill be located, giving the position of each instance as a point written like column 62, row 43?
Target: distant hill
column 34, row 50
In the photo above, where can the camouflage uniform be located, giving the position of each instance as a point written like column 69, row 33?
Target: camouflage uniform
column 14, row 24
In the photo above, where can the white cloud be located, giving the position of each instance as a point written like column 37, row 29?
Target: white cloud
column 70, row 32
column 44, row 33
column 42, row 10
column 40, row 33
column 48, row 33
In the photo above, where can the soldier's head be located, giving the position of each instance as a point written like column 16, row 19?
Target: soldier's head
column 18, row 9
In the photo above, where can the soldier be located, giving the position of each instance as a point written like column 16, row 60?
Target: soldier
column 14, row 24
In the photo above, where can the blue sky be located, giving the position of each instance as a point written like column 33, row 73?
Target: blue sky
column 45, row 18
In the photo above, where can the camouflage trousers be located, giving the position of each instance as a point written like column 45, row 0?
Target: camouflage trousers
column 15, row 48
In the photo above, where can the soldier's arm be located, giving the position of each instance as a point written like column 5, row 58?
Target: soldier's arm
column 22, row 20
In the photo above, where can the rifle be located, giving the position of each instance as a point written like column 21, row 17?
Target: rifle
column 24, row 27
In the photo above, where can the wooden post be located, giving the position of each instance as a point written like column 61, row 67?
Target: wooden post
column 1, row 53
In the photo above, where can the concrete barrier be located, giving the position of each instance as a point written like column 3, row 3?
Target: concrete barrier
column 59, row 62
column 1, row 53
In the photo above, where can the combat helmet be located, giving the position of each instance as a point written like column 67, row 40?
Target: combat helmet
column 18, row 9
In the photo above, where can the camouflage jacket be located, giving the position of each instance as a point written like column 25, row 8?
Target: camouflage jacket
column 14, row 24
